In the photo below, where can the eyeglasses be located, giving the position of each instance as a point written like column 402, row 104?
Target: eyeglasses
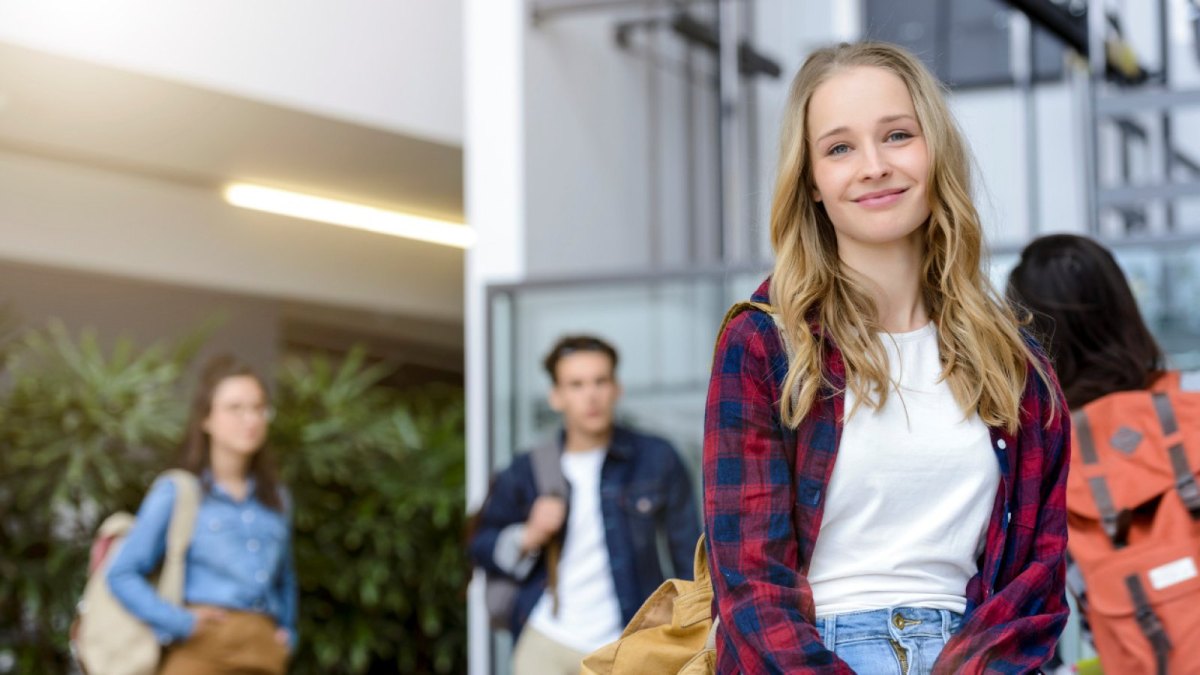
column 261, row 411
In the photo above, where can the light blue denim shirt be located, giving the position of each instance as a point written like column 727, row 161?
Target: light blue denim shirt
column 240, row 558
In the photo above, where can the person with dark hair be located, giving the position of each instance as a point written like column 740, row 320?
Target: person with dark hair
column 1086, row 316
column 240, row 592
column 586, row 560
column 1134, row 502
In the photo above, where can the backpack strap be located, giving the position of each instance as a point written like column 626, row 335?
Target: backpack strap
column 1149, row 622
column 1185, row 480
column 547, row 469
column 1116, row 524
column 548, row 477
column 769, row 310
column 738, row 308
column 703, row 579
column 179, row 533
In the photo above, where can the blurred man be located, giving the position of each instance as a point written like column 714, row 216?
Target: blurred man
column 626, row 490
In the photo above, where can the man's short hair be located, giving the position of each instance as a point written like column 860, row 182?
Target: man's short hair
column 571, row 344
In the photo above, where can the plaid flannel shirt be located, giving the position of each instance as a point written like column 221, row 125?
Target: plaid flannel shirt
column 764, row 490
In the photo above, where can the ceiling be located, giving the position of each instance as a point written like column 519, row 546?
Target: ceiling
column 70, row 109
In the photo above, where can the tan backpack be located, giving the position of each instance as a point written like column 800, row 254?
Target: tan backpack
column 1133, row 514
column 105, row 638
column 673, row 631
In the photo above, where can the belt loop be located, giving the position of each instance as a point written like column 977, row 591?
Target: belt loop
column 830, row 623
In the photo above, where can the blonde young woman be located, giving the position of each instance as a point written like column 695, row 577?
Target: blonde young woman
column 885, row 492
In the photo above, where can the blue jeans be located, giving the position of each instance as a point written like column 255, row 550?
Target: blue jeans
column 897, row 641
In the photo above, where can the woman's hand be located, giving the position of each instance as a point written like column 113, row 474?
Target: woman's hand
column 207, row 616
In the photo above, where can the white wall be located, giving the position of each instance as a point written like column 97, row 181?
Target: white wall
column 586, row 150
column 494, row 196
column 393, row 64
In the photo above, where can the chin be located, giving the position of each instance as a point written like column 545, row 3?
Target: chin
column 250, row 449
column 599, row 428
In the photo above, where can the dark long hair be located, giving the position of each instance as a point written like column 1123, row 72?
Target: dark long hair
column 197, row 453
column 1086, row 316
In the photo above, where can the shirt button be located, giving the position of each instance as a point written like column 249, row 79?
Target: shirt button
column 252, row 545
column 1001, row 444
column 644, row 505
column 261, row 576
column 247, row 517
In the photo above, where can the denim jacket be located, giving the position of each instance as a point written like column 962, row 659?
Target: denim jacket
column 645, row 493
column 239, row 558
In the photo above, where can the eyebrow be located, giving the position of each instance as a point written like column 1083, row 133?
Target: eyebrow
column 882, row 120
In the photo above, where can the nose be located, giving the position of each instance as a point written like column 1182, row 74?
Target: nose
column 874, row 164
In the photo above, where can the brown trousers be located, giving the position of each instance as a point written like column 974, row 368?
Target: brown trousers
column 243, row 644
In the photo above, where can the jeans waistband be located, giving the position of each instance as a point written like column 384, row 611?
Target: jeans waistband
column 895, row 622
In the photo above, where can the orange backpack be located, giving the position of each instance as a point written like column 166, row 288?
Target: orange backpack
column 1134, row 523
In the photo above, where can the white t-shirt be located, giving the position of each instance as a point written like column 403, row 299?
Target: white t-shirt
column 589, row 615
column 912, row 490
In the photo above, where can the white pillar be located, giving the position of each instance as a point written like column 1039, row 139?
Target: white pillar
column 494, row 184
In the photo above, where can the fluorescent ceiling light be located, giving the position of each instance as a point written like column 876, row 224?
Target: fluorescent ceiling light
column 349, row 214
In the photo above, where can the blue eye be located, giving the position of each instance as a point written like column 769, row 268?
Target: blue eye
column 839, row 149
column 899, row 136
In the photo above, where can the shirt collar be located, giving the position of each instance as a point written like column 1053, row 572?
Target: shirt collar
column 214, row 488
column 620, row 447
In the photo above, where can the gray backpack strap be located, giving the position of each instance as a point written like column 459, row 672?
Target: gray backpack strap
column 548, row 476
column 179, row 533
column 547, row 469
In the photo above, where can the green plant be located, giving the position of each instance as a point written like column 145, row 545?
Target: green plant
column 377, row 477
column 82, row 432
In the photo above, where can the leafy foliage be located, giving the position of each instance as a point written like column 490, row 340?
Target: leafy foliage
column 82, row 432
column 378, row 485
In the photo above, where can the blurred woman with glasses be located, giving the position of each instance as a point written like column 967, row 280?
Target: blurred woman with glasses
column 240, row 593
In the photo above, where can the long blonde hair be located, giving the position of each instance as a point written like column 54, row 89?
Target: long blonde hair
column 984, row 357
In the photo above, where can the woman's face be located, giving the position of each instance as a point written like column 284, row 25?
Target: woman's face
column 239, row 417
column 869, row 159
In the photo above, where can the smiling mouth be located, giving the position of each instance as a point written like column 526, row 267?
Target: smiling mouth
column 881, row 198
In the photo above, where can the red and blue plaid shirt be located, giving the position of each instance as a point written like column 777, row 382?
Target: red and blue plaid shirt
column 764, row 492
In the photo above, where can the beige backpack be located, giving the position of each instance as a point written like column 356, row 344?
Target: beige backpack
column 105, row 638
column 673, row 631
